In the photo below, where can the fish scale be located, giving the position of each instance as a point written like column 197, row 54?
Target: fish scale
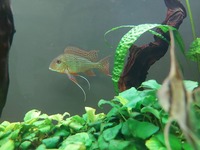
column 79, row 64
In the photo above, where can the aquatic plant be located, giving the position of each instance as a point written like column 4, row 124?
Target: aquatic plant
column 129, row 39
column 135, row 121
column 194, row 50
column 191, row 18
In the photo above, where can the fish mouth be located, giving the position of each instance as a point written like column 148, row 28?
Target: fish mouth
column 52, row 69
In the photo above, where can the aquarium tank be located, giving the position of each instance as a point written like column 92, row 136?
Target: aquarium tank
column 67, row 60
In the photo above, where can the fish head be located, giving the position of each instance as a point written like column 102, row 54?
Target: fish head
column 58, row 64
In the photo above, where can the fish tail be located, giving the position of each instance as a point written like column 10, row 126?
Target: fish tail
column 104, row 65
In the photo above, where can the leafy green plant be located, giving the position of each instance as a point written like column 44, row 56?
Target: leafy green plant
column 194, row 50
column 135, row 121
column 129, row 39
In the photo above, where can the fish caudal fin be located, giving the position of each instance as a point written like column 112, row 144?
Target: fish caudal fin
column 104, row 66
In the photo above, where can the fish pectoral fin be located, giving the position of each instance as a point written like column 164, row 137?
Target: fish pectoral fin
column 89, row 73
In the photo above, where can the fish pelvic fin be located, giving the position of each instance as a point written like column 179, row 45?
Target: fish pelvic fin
column 104, row 65
column 73, row 79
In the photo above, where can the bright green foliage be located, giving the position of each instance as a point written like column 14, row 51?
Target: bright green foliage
column 129, row 39
column 135, row 122
column 194, row 51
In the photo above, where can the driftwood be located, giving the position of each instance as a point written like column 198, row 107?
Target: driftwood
column 7, row 31
column 141, row 58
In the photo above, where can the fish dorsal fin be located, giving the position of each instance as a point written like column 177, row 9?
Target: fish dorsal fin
column 174, row 69
column 90, row 55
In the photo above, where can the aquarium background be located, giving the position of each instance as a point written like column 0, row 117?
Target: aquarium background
column 46, row 27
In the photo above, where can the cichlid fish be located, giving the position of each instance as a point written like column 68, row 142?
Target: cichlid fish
column 175, row 99
column 74, row 61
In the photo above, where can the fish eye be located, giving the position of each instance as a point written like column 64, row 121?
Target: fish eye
column 58, row 61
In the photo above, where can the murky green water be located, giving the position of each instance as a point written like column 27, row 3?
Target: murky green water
column 46, row 27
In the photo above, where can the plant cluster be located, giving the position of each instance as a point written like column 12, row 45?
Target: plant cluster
column 135, row 121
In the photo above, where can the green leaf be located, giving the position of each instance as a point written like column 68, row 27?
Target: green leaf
column 158, row 35
column 45, row 129
column 90, row 114
column 31, row 115
column 29, row 135
column 129, row 98
column 62, row 131
column 194, row 50
column 149, row 98
column 190, row 85
column 111, row 133
column 151, row 110
column 41, row 147
column 51, row 142
column 8, row 145
column 75, row 146
column 25, row 145
column 129, row 94
column 151, row 84
column 118, row 144
column 153, row 144
column 5, row 123
column 187, row 146
column 142, row 130
column 82, row 139
column 58, row 117
column 103, row 102
column 175, row 142
column 15, row 134
column 125, row 43
column 103, row 145
column 125, row 129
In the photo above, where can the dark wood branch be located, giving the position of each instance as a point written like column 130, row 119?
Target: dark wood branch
column 7, row 31
column 141, row 58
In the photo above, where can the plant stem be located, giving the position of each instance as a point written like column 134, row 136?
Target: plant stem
column 193, row 28
column 191, row 19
